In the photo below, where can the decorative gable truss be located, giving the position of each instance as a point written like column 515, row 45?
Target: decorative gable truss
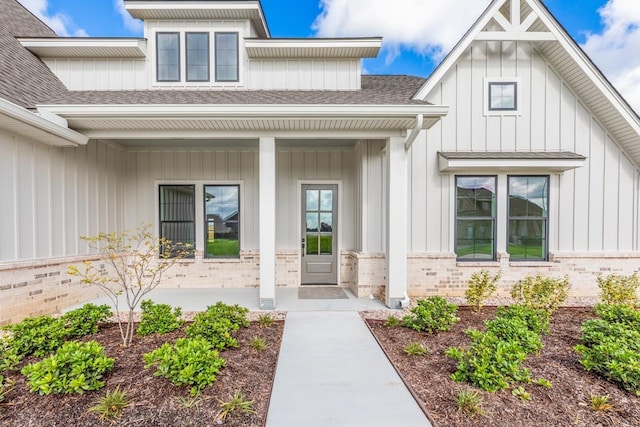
column 530, row 21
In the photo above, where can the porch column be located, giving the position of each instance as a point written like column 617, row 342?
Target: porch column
column 267, row 223
column 396, row 224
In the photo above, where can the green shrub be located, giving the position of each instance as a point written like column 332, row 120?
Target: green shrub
column 9, row 357
column 75, row 368
column 190, row 361
column 469, row 402
column 490, row 363
column 158, row 318
column 432, row 314
column 84, row 320
column 392, row 322
column 541, row 292
column 258, row 344
column 217, row 323
column 265, row 321
column 481, row 286
column 537, row 320
column 238, row 404
column 515, row 330
column 521, row 392
column 619, row 290
column 6, row 386
column 37, row 335
column 610, row 345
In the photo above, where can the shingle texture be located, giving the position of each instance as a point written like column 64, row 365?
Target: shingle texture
column 376, row 90
column 24, row 78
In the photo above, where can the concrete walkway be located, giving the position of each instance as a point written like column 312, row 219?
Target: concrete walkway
column 331, row 372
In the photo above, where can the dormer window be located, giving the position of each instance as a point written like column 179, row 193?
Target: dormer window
column 168, row 54
column 227, row 57
column 197, row 48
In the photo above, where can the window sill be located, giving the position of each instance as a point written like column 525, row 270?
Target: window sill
column 221, row 260
column 530, row 264
column 477, row 263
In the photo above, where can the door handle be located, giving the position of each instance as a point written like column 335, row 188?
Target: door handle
column 303, row 246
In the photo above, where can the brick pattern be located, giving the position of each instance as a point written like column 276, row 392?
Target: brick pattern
column 41, row 287
column 364, row 274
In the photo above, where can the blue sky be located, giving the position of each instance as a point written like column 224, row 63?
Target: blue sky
column 415, row 37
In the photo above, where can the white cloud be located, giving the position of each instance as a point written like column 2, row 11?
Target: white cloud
column 615, row 49
column 134, row 25
column 59, row 22
column 429, row 27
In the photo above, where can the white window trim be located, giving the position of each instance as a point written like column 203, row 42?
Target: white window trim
column 212, row 83
column 517, row 111
column 199, row 207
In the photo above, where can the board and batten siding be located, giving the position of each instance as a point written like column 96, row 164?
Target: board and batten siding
column 296, row 166
column 52, row 196
column 146, row 169
column 318, row 74
column 596, row 205
column 101, row 74
column 371, row 194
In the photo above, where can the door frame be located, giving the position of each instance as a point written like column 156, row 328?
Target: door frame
column 338, row 235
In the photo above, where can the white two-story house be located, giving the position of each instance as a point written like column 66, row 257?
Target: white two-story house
column 285, row 166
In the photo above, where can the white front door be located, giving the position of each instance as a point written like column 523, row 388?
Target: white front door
column 319, row 234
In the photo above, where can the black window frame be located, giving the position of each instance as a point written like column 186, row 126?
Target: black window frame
column 545, row 248
column 158, row 34
column 237, row 35
column 206, row 255
column 493, row 219
column 161, row 222
column 515, row 95
column 186, row 41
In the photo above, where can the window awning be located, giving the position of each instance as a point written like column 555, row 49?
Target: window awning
column 517, row 161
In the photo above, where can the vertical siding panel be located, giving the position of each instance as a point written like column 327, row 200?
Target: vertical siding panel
column 208, row 165
column 596, row 190
column 8, row 191
column 331, row 75
column 221, row 165
column 82, row 195
column 297, row 174
column 463, row 110
column 523, row 121
column 92, row 188
column 195, row 165
column 322, row 165
column 611, row 188
column 508, row 122
column 280, row 75
column 317, row 75
column 42, row 191
column 434, row 190
column 418, row 195
column 375, row 206
column 581, row 186
column 233, row 159
column 70, row 201
column 309, row 165
column 102, row 75
column 626, row 205
column 26, row 207
column 306, row 75
column 478, row 121
column 344, row 77
column 182, row 165
column 169, row 165
column 337, row 162
column 145, row 198
column 293, row 75
column 554, row 88
column 57, row 221
column 348, row 198
column 101, row 187
column 449, row 130
column 249, row 207
column 128, row 76
column 285, row 206
column 538, row 89
column 155, row 167
column 494, row 69
column 115, row 75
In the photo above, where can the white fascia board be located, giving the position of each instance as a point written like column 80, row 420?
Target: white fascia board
column 244, row 111
column 56, row 47
column 514, row 165
column 364, row 47
column 515, row 36
column 26, row 117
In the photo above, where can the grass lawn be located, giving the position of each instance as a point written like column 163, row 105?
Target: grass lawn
column 326, row 244
column 223, row 247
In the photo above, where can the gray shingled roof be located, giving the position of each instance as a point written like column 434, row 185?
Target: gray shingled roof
column 24, row 78
column 511, row 155
column 376, row 90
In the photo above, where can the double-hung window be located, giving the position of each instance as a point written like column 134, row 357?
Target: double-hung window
column 177, row 214
column 197, row 47
column 226, row 57
column 222, row 220
column 475, row 218
column 168, row 57
column 528, row 217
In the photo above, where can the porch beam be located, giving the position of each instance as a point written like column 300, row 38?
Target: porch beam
column 267, row 164
column 396, row 221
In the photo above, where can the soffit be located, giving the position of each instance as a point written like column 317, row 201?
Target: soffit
column 74, row 47
column 313, row 48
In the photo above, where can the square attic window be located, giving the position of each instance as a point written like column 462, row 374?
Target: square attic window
column 503, row 96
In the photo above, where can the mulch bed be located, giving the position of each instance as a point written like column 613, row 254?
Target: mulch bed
column 155, row 401
column 565, row 404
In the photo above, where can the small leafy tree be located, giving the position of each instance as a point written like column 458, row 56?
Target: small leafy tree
column 619, row 290
column 481, row 286
column 137, row 261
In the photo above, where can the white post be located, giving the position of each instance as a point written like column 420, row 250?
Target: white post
column 267, row 223
column 396, row 226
